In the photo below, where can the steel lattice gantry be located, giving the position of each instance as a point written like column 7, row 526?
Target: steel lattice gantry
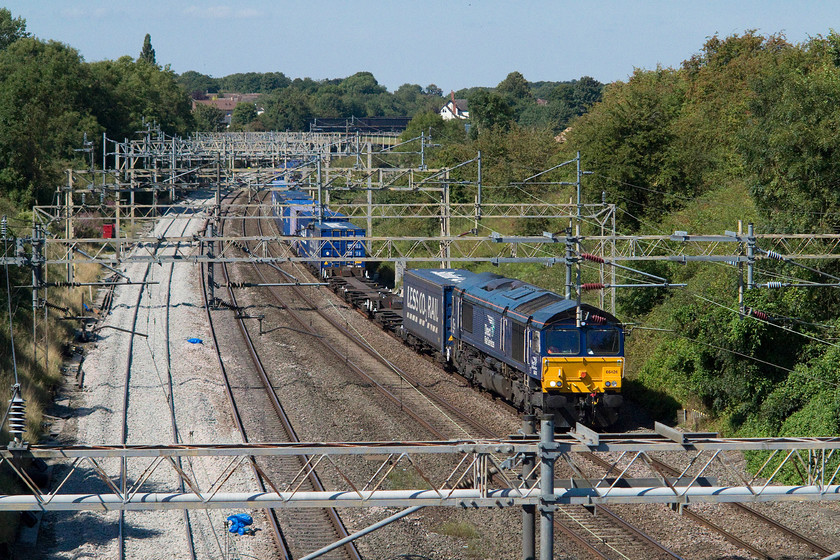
column 794, row 469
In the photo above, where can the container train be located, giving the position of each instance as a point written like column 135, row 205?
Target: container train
column 297, row 215
column 537, row 350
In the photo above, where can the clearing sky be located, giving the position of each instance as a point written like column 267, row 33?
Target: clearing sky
column 453, row 44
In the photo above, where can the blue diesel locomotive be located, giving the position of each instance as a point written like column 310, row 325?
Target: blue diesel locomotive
column 530, row 346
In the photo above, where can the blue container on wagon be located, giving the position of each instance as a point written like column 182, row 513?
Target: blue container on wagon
column 427, row 302
column 340, row 240
column 291, row 210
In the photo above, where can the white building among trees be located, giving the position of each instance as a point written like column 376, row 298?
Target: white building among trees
column 455, row 109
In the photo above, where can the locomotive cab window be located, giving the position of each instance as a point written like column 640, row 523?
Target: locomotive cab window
column 603, row 341
column 467, row 316
column 562, row 342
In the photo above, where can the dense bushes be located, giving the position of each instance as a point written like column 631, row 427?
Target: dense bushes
column 748, row 125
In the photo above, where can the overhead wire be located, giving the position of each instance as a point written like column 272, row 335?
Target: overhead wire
column 741, row 354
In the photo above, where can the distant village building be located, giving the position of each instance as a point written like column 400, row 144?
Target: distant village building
column 455, row 109
column 228, row 103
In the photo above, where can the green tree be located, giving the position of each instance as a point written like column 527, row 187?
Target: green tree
column 193, row 81
column 130, row 93
column 44, row 113
column 489, row 110
column 362, row 83
column 288, row 109
column 329, row 106
column 629, row 140
column 147, row 54
column 243, row 114
column 208, row 118
column 790, row 146
column 11, row 29
column 434, row 127
column 586, row 92
column 515, row 86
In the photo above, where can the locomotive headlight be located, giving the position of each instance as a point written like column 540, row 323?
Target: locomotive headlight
column 553, row 383
column 607, row 384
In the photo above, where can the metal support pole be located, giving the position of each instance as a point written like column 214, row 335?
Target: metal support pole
column 613, row 255
column 68, row 225
column 577, row 185
column 36, row 283
column 750, row 256
column 478, row 197
column 423, row 149
column 740, row 271
column 547, row 488
column 529, row 522
column 131, row 202
column 104, row 162
column 369, row 196
column 320, row 190
column 172, row 175
column 577, row 239
column 218, row 171
column 446, row 224
column 211, row 283
column 569, row 253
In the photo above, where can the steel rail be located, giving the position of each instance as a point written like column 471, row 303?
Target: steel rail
column 635, row 531
column 737, row 541
column 279, row 539
column 350, row 548
column 170, row 384
column 127, row 377
column 791, row 533
column 732, row 538
column 355, row 368
column 358, row 342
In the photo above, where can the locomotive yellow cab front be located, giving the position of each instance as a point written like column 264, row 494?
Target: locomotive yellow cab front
column 582, row 374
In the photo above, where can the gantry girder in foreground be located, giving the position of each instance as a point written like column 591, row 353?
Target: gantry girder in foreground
column 793, row 469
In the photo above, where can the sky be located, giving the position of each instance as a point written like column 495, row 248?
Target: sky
column 453, row 44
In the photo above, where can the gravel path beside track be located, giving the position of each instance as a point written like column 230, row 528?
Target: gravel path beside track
column 201, row 411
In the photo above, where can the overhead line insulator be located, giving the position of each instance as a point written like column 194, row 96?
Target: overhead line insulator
column 759, row 314
column 592, row 286
column 591, row 257
column 17, row 415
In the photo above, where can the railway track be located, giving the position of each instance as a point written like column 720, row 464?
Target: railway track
column 176, row 436
column 303, row 530
column 168, row 390
column 393, row 383
column 754, row 550
column 607, row 536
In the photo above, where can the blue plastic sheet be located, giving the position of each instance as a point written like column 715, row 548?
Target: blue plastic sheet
column 238, row 522
column 195, row 341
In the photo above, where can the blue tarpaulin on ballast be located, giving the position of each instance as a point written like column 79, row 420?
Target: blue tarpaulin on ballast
column 238, row 522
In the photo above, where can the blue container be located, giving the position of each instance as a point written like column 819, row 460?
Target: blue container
column 427, row 302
